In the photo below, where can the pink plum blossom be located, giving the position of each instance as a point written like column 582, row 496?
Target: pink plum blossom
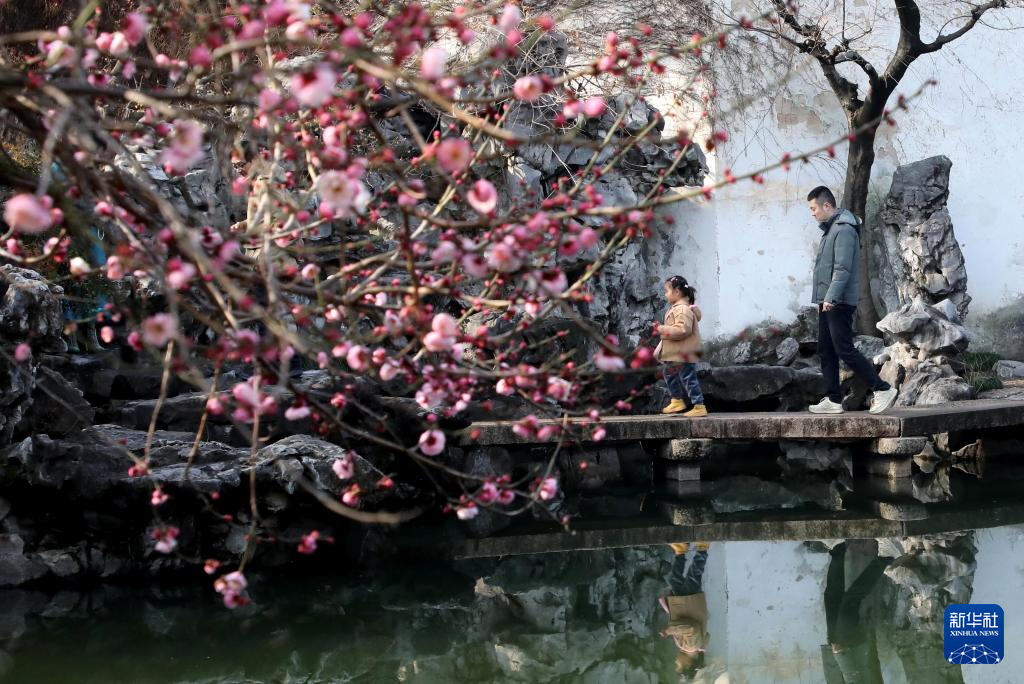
column 158, row 329
column 548, row 488
column 475, row 265
column 342, row 194
column 79, row 267
column 389, row 371
column 433, row 63
column 608, row 362
column 528, row 88
column 28, row 214
column 445, row 324
column 313, row 88
column 502, row 257
column 232, row 588
column 268, row 99
column 487, row 493
column 454, row 154
column 482, row 197
column 184, row 147
column 344, row 467
column 510, row 18
column 467, row 511
column 594, row 107
column 351, row 496
column 432, row 442
column 445, row 253
column 358, row 358
column 22, row 353
column 308, row 543
column 166, row 539
column 119, row 44
column 134, row 27
column 180, row 277
column 296, row 412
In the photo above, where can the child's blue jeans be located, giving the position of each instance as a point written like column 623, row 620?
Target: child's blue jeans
column 682, row 382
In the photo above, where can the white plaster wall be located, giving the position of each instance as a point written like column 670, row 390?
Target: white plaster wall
column 755, row 243
column 1000, row 580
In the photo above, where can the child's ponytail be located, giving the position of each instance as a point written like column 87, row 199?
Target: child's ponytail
column 679, row 284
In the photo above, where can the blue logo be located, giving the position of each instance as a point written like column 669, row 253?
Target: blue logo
column 974, row 634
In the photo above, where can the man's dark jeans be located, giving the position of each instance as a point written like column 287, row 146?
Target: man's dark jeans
column 687, row 579
column 835, row 343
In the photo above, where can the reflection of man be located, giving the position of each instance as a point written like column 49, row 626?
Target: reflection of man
column 687, row 608
column 853, row 659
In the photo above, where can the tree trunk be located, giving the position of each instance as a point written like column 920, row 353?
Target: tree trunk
column 855, row 198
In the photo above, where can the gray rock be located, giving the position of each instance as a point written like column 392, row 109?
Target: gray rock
column 312, row 458
column 789, row 389
column 746, row 493
column 815, row 457
column 944, row 391
column 898, row 446
column 59, row 562
column 58, row 408
column 925, row 328
column 918, row 254
column 787, row 351
column 1006, row 393
column 15, row 566
column 1009, row 370
column 30, row 309
column 869, row 346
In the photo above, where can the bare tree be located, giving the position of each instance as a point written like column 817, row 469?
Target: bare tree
column 866, row 110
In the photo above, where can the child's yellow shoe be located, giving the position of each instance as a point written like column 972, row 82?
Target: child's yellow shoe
column 680, row 549
column 674, row 406
column 698, row 411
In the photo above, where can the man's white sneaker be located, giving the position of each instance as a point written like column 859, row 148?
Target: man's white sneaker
column 881, row 401
column 826, row 405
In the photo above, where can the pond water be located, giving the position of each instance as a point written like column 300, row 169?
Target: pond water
column 776, row 611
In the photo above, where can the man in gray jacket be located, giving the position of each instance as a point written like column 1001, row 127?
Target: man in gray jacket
column 835, row 293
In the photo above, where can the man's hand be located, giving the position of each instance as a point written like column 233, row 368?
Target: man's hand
column 657, row 329
column 827, row 306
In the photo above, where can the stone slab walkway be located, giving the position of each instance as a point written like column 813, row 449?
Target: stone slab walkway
column 854, row 425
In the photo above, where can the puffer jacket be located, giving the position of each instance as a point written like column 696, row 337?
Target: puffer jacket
column 836, row 265
column 688, row 621
column 680, row 335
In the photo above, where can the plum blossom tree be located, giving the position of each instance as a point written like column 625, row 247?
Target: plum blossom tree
column 435, row 289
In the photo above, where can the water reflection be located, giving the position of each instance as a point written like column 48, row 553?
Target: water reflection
column 852, row 657
column 687, row 607
column 835, row 611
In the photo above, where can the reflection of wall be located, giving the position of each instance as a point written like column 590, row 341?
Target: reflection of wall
column 756, row 242
column 1000, row 579
column 768, row 595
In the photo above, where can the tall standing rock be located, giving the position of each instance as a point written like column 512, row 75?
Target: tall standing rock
column 30, row 309
column 917, row 253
